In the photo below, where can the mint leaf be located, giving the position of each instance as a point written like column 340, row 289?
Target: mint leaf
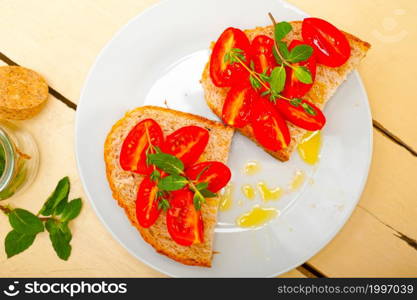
column 59, row 195
column 208, row 194
column 163, row 204
column 155, row 175
column 281, row 30
column 303, row 74
column 167, row 163
column 264, row 77
column 278, row 77
column 296, row 102
column 308, row 109
column 172, row 183
column 24, row 222
column 267, row 92
column 233, row 55
column 201, row 185
column 300, row 53
column 254, row 82
column 71, row 210
column 60, row 236
column 283, row 50
column 198, row 199
column 16, row 242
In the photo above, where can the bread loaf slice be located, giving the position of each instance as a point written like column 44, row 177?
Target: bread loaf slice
column 326, row 82
column 124, row 184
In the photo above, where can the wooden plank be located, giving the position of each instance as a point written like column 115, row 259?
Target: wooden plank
column 374, row 241
column 366, row 248
column 49, row 32
column 45, row 34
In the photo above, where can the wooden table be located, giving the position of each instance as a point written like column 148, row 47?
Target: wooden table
column 60, row 39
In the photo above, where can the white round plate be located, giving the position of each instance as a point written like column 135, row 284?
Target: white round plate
column 159, row 56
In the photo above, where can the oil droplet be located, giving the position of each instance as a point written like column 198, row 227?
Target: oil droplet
column 256, row 217
column 309, row 148
column 297, row 181
column 252, row 167
column 268, row 194
column 248, row 191
column 226, row 199
column 240, row 202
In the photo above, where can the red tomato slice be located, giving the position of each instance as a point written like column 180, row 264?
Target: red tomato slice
column 237, row 106
column 215, row 173
column 184, row 222
column 269, row 128
column 331, row 45
column 299, row 117
column 224, row 73
column 133, row 153
column 293, row 87
column 262, row 54
column 147, row 203
column 187, row 143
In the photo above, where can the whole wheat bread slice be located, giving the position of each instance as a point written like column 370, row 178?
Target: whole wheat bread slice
column 326, row 82
column 124, row 184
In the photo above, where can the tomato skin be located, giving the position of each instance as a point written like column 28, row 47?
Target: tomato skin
column 216, row 174
column 299, row 117
column 184, row 222
column 147, row 211
column 237, row 106
column 331, row 46
column 225, row 74
column 187, row 143
column 293, row 87
column 133, row 152
column 269, row 128
column 262, row 54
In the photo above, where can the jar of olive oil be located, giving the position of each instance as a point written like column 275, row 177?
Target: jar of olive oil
column 19, row 159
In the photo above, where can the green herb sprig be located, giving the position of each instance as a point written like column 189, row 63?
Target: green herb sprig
column 278, row 76
column 55, row 215
column 176, row 180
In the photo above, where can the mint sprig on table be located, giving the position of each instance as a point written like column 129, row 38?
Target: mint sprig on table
column 176, row 179
column 57, row 212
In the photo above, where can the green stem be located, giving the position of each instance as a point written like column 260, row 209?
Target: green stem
column 5, row 209
column 253, row 73
column 276, row 46
column 256, row 76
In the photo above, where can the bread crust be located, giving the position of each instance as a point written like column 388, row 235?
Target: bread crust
column 125, row 193
column 325, row 85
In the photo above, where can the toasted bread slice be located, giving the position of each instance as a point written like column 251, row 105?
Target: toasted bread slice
column 124, row 185
column 326, row 82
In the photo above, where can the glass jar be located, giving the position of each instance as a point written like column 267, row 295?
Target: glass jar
column 19, row 159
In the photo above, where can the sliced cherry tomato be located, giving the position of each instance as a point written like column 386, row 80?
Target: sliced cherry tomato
column 222, row 72
column 237, row 106
column 184, row 222
column 331, row 45
column 187, row 143
column 136, row 144
column 293, row 87
column 262, row 54
column 215, row 173
column 147, row 203
column 269, row 128
column 299, row 116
